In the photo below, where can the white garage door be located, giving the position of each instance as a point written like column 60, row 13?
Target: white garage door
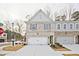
column 38, row 40
column 65, row 40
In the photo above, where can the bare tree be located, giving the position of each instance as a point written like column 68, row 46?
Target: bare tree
column 7, row 25
column 75, row 15
column 56, row 17
column 70, row 11
column 19, row 24
column 48, row 11
column 63, row 15
column 66, row 13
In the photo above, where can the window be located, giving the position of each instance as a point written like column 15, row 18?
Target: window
column 47, row 26
column 77, row 26
column 71, row 26
column 33, row 26
column 64, row 26
column 58, row 26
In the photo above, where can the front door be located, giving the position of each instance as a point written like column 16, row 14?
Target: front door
column 78, row 39
column 51, row 39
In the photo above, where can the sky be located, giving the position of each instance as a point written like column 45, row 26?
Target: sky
column 19, row 11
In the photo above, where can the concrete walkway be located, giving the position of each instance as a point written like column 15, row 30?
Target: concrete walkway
column 35, row 50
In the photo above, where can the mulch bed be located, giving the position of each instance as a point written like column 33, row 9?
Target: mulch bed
column 59, row 48
column 71, row 54
column 2, row 54
column 13, row 48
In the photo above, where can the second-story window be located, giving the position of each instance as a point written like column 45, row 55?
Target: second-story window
column 33, row 26
column 58, row 26
column 64, row 26
column 77, row 26
column 71, row 26
column 47, row 26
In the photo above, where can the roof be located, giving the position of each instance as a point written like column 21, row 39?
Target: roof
column 40, row 16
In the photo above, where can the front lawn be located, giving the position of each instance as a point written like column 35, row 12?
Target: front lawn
column 71, row 54
column 13, row 48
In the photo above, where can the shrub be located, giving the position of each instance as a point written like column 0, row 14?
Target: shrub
column 54, row 46
column 57, row 43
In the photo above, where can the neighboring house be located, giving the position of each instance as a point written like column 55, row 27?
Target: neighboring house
column 43, row 30
column 3, row 37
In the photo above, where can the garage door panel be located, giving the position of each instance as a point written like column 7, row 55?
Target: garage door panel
column 38, row 40
column 65, row 40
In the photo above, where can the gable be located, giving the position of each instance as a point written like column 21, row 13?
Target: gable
column 40, row 16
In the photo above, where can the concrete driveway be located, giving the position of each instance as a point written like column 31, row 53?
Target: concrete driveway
column 35, row 50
